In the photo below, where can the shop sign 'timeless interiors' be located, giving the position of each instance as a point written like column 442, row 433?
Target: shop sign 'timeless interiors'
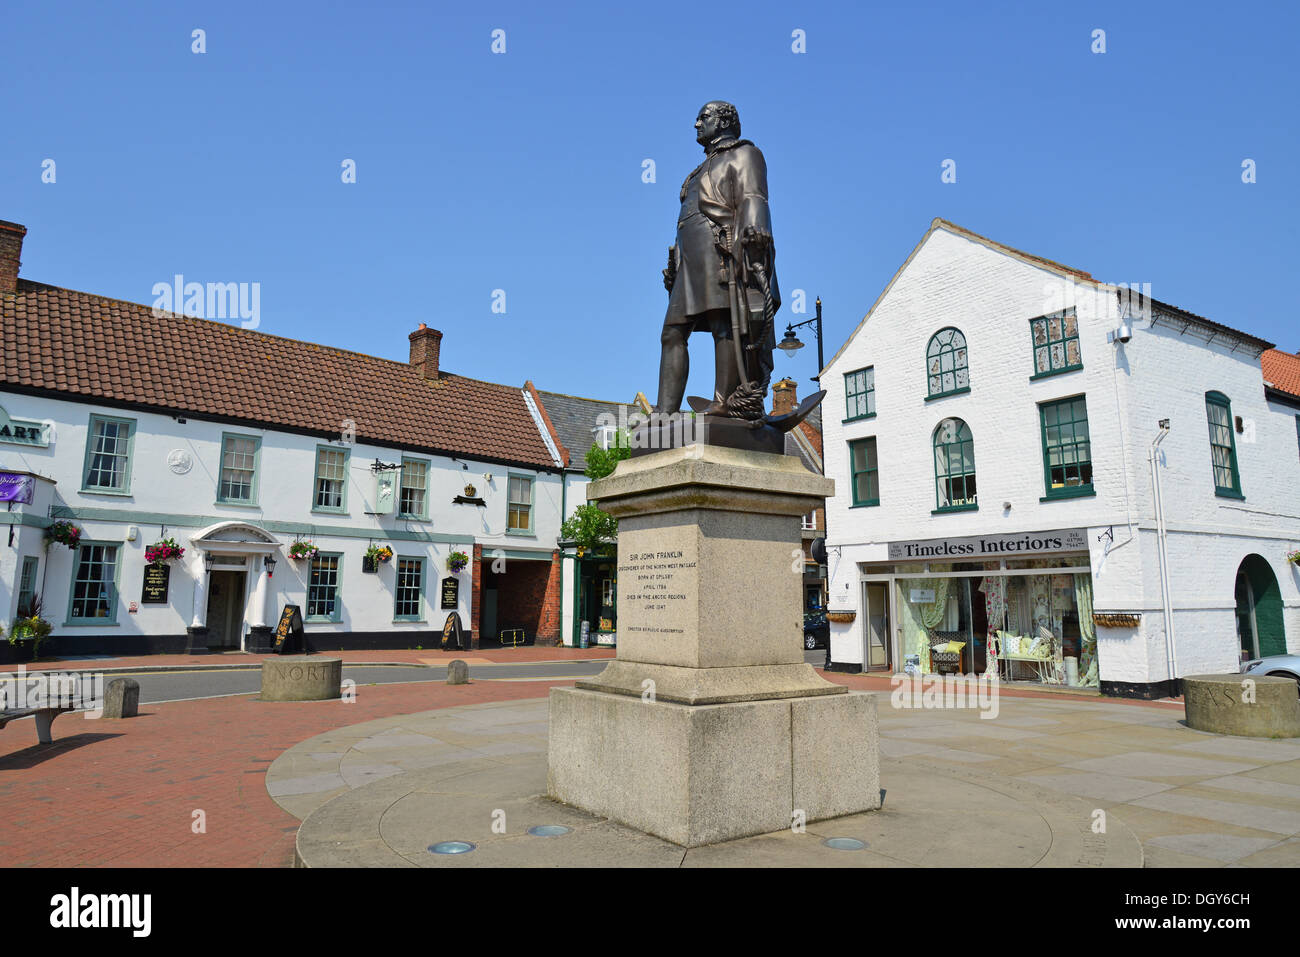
column 992, row 546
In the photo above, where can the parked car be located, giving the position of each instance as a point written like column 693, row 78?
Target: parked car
column 1281, row 666
column 816, row 630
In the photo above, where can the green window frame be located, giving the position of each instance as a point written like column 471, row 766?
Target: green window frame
column 947, row 364
column 408, row 589
column 96, row 575
column 519, row 504
column 1067, row 448
column 1223, row 446
column 864, row 472
column 1055, row 341
column 330, row 486
column 109, row 444
column 954, row 467
column 860, row 394
column 27, row 585
column 413, row 494
column 324, row 582
column 238, row 475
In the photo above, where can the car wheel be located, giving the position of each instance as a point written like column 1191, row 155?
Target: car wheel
column 1286, row 674
column 810, row 642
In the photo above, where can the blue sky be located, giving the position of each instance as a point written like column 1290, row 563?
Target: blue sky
column 522, row 171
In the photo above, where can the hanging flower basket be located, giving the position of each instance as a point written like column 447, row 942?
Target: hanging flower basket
column 1293, row 557
column 303, row 550
column 65, row 533
column 165, row 550
column 375, row 556
column 456, row 562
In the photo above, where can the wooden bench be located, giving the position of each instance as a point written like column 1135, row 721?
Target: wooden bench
column 44, row 718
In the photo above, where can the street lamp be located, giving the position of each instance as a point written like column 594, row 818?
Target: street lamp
column 791, row 344
column 269, row 562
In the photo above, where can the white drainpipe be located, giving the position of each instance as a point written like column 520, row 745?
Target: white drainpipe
column 1171, row 656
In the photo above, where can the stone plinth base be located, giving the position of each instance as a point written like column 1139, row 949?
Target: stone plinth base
column 710, row 685
column 301, row 679
column 703, row 774
column 1256, row 706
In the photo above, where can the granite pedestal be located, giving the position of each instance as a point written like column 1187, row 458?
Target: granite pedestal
column 709, row 725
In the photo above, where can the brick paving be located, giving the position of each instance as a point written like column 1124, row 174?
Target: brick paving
column 122, row 793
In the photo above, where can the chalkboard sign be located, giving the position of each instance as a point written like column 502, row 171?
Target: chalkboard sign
column 450, row 592
column 288, row 633
column 451, row 633
column 154, row 590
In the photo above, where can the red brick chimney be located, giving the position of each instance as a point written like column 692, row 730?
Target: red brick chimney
column 11, row 252
column 785, row 397
column 425, row 344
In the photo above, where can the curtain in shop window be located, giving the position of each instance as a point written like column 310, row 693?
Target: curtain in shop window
column 1087, row 631
column 994, row 588
column 921, row 620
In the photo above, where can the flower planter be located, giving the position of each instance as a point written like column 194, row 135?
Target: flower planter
column 368, row 565
column 841, row 617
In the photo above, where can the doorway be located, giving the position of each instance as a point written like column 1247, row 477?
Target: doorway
column 875, row 601
column 1260, row 631
column 225, row 608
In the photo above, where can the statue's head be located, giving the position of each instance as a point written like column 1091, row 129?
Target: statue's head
column 717, row 118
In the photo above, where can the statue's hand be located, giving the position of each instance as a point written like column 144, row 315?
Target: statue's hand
column 670, row 274
column 756, row 239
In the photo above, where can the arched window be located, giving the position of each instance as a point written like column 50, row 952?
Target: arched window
column 954, row 466
column 945, row 363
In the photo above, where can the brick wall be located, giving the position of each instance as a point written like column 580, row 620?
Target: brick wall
column 528, row 597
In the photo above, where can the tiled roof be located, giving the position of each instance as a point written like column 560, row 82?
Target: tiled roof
column 574, row 418
column 1281, row 370
column 81, row 345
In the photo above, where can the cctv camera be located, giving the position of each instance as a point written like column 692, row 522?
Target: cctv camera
column 1125, row 332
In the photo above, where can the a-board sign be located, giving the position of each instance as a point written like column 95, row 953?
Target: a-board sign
column 154, row 589
column 452, row 636
column 288, row 633
column 450, row 592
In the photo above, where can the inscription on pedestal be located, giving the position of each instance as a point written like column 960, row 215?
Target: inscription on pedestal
column 658, row 591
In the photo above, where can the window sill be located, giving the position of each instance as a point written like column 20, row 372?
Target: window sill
column 870, row 504
column 954, row 508
column 944, row 395
column 1080, row 491
column 120, row 493
column 1053, row 372
column 403, row 517
column 328, row 511
column 519, row 533
column 318, row 620
column 858, row 418
column 408, row 620
column 91, row 623
column 1229, row 493
column 220, row 503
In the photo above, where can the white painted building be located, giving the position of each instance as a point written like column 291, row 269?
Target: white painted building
column 992, row 450
column 236, row 444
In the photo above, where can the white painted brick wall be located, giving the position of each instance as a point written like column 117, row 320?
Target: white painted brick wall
column 990, row 297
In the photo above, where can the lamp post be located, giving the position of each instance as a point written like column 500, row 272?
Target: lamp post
column 790, row 344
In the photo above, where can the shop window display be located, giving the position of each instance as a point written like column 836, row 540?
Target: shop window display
column 965, row 623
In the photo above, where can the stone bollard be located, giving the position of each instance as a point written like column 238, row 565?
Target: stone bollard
column 122, row 698
column 1257, row 706
column 301, row 679
column 457, row 673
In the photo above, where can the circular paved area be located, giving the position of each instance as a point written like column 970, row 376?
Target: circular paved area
column 378, row 794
